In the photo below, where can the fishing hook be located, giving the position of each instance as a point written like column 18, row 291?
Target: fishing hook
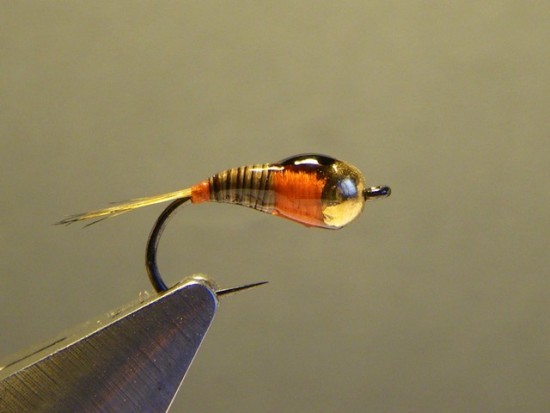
column 311, row 189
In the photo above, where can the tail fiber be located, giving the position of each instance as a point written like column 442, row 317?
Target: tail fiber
column 125, row 206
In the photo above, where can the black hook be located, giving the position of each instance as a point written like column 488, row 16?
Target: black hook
column 153, row 242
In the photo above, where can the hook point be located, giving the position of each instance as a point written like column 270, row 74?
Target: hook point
column 227, row 291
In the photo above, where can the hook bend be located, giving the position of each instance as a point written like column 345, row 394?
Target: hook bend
column 153, row 243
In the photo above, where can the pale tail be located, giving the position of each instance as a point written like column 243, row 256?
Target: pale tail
column 122, row 207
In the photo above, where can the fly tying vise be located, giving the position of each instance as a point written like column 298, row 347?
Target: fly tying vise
column 313, row 190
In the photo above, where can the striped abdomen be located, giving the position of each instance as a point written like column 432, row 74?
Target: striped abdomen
column 250, row 186
column 311, row 189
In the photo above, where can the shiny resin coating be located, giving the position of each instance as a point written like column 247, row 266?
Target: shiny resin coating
column 314, row 190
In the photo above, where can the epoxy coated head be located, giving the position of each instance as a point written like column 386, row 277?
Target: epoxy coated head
column 319, row 191
column 343, row 199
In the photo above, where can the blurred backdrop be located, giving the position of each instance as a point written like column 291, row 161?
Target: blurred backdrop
column 434, row 300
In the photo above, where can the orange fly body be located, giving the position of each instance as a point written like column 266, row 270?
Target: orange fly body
column 200, row 192
column 298, row 196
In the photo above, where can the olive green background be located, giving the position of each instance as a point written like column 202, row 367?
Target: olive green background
column 434, row 300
